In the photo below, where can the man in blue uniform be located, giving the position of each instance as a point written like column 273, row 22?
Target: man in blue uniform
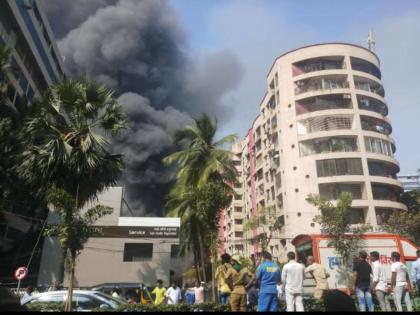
column 268, row 274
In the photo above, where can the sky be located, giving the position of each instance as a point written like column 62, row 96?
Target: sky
column 257, row 31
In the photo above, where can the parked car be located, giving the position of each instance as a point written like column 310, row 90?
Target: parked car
column 83, row 300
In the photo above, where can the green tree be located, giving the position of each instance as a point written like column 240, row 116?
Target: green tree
column 406, row 223
column 268, row 223
column 73, row 229
column 203, row 185
column 335, row 222
column 67, row 142
column 16, row 197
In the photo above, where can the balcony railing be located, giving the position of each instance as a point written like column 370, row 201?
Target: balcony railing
column 369, row 85
column 376, row 125
column 318, row 64
column 320, row 85
column 324, row 102
column 368, row 103
column 324, row 123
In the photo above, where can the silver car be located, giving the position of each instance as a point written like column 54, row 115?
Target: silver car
column 83, row 300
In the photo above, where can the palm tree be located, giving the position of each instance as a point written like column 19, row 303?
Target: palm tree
column 67, row 144
column 205, row 176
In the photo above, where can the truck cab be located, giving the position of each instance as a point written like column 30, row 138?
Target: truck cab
column 385, row 244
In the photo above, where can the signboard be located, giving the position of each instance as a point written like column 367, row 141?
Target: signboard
column 20, row 273
column 136, row 231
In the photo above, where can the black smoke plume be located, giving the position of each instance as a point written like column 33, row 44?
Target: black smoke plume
column 139, row 48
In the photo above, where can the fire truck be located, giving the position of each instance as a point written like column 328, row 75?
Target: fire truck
column 385, row 244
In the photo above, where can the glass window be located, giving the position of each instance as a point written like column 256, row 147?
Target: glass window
column 336, row 167
column 138, row 251
column 326, row 145
column 357, row 216
column 333, row 191
column 380, row 146
column 174, row 251
column 84, row 302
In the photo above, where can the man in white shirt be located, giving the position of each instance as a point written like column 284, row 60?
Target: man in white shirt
column 173, row 294
column 292, row 277
column 380, row 283
column 400, row 283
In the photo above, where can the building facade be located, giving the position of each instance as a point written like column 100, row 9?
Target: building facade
column 322, row 129
column 126, row 250
column 35, row 59
column 35, row 63
column 410, row 182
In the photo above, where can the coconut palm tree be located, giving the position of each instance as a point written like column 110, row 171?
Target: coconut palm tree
column 67, row 145
column 66, row 140
column 205, row 176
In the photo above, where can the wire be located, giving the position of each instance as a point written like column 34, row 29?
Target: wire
column 36, row 244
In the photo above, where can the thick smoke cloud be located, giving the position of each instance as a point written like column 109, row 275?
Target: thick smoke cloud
column 139, row 49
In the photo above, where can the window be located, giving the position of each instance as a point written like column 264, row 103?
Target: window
column 357, row 216
column 375, row 125
column 323, row 102
column 365, row 66
column 324, row 123
column 238, row 197
column 333, row 191
column 238, row 234
column 379, row 168
column 326, row 145
column 84, row 302
column 238, row 209
column 238, row 221
column 384, row 192
column 174, row 251
column 138, row 251
column 371, row 104
column 383, row 214
column 376, row 145
column 336, row 167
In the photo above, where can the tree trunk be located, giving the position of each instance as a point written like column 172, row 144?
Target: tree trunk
column 213, row 262
column 203, row 263
column 62, row 262
column 68, row 305
column 196, row 264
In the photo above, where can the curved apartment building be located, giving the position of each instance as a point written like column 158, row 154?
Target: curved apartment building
column 322, row 129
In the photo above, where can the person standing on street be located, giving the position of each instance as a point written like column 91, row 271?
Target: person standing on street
column 159, row 292
column 400, row 283
column 223, row 288
column 173, row 294
column 320, row 276
column 416, row 273
column 380, row 284
column 236, row 277
column 268, row 274
column 292, row 277
column 198, row 293
column 252, row 295
column 361, row 282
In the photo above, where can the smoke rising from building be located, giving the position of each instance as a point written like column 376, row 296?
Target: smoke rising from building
column 139, row 49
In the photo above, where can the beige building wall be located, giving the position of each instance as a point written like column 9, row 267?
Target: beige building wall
column 322, row 129
column 102, row 259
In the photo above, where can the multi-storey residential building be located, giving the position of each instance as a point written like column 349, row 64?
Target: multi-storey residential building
column 322, row 129
column 36, row 63
column 410, row 182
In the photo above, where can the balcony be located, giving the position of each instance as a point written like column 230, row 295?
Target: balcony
column 375, row 125
column 323, row 102
column 372, row 104
column 383, row 214
column 327, row 145
column 324, row 123
column 339, row 167
column 324, row 83
column 318, row 64
column 333, row 191
column 386, row 192
column 379, row 146
column 368, row 85
column 362, row 65
column 383, row 169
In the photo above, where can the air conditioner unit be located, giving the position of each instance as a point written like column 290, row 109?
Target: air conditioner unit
column 347, row 96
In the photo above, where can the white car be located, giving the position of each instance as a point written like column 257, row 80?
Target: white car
column 83, row 300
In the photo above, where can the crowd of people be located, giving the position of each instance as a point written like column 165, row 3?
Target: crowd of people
column 260, row 287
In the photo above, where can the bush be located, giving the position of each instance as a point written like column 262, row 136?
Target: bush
column 46, row 307
column 205, row 307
